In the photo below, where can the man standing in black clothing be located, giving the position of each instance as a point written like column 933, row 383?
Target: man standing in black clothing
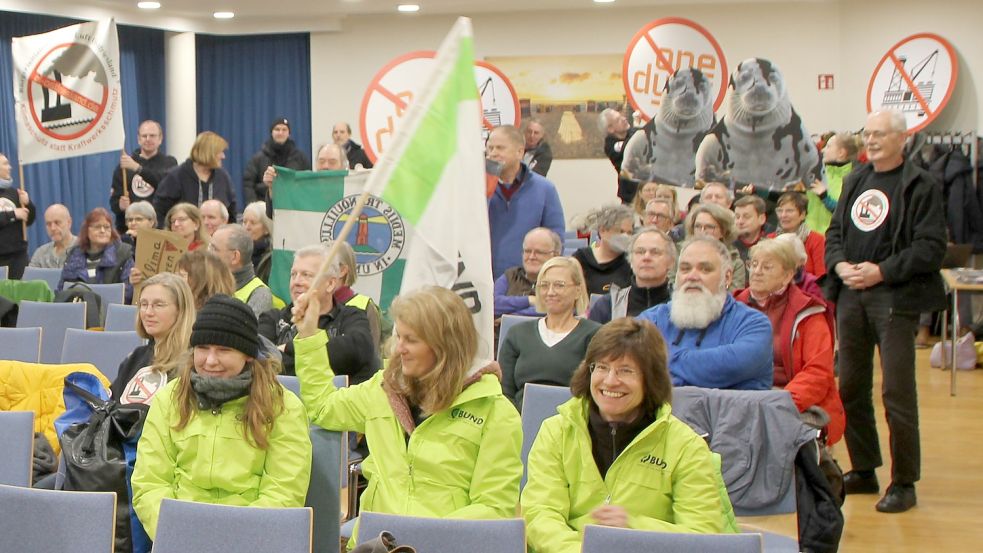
column 15, row 209
column 538, row 155
column 144, row 171
column 280, row 150
column 342, row 136
column 619, row 131
column 884, row 249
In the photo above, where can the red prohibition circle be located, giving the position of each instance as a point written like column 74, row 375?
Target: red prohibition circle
column 953, row 62
column 508, row 84
column 34, row 115
column 724, row 74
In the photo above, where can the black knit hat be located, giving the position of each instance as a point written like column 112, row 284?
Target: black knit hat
column 226, row 321
column 280, row 121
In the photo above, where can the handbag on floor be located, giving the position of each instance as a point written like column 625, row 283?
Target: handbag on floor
column 965, row 353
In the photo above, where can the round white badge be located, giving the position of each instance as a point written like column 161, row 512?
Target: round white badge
column 140, row 187
column 870, row 210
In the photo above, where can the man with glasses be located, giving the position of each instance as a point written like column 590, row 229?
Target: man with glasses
column 652, row 255
column 515, row 289
column 714, row 341
column 58, row 225
column 144, row 171
column 884, row 249
column 661, row 214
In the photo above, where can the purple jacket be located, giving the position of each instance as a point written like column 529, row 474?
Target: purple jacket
column 115, row 265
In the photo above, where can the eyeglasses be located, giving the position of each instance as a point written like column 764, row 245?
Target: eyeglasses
column 102, row 228
column 700, row 227
column 153, row 306
column 557, row 285
column 621, row 373
column 658, row 216
column 537, row 253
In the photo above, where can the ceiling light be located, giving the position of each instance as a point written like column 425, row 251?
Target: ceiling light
column 408, row 8
column 603, row 1
column 148, row 5
column 223, row 15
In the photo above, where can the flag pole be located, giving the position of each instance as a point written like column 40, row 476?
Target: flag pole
column 20, row 173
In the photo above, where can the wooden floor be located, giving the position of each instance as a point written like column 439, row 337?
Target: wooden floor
column 949, row 515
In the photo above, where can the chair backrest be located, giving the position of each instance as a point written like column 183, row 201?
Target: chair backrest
column 105, row 350
column 21, row 344
column 51, row 276
column 508, row 321
column 186, row 526
column 575, row 243
column 292, row 383
column 445, row 535
column 48, row 520
column 110, row 293
column 539, row 402
column 120, row 317
column 54, row 318
column 594, row 298
column 3, row 272
column 603, row 539
column 17, row 437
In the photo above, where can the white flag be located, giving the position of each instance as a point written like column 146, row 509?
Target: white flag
column 67, row 93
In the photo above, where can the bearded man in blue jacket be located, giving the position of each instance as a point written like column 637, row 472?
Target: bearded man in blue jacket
column 714, row 341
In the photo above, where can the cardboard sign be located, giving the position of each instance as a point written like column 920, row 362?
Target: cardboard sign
column 392, row 90
column 158, row 251
column 658, row 50
column 916, row 77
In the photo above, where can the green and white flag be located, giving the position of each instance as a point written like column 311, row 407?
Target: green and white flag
column 426, row 221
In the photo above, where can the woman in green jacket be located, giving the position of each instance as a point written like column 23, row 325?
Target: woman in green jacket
column 443, row 440
column 225, row 431
column 615, row 455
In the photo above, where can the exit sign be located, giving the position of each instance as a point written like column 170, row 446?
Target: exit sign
column 826, row 81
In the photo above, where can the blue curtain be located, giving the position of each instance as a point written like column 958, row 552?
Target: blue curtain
column 244, row 82
column 81, row 183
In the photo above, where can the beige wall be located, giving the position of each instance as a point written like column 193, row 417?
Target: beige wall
column 803, row 38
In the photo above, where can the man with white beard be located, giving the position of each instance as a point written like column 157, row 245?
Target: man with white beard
column 714, row 341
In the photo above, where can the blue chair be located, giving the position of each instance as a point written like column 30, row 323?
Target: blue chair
column 539, row 402
column 575, row 243
column 21, row 344
column 508, row 321
column 105, row 350
column 110, row 293
column 186, row 526
column 121, row 317
column 17, row 437
column 55, row 319
column 602, row 539
column 445, row 535
column 292, row 383
column 49, row 520
column 51, row 276
column 3, row 272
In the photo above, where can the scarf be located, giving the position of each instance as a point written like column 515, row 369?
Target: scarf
column 212, row 392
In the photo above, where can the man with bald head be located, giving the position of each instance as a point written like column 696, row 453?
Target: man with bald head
column 515, row 289
column 522, row 200
column 331, row 157
column 538, row 156
column 58, row 224
column 884, row 249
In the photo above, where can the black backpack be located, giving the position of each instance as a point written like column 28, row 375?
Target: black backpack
column 75, row 292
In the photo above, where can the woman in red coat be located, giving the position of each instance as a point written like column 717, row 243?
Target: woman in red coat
column 803, row 339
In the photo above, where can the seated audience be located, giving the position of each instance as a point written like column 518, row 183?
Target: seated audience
column 791, row 213
column 350, row 348
column 803, row 338
column 614, row 455
column 431, row 413
column 233, row 245
column 206, row 274
column 645, row 194
column 260, row 229
column 547, row 350
column 184, row 219
column 201, row 177
column 213, row 215
column 515, row 290
column 714, row 341
column 750, row 217
column 806, row 281
column 604, row 263
column 718, row 223
column 661, row 214
column 225, row 431
column 138, row 215
column 167, row 311
column 58, row 225
column 715, row 192
column 99, row 257
column 652, row 256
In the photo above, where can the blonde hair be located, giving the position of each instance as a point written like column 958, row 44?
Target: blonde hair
column 638, row 204
column 264, row 402
column 723, row 217
column 207, row 275
column 782, row 250
column 193, row 213
column 171, row 351
column 444, row 323
column 576, row 273
column 206, row 149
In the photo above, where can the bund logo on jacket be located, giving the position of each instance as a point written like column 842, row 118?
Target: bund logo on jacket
column 654, row 460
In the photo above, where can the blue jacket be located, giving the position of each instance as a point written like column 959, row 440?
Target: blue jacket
column 535, row 204
column 115, row 265
column 734, row 352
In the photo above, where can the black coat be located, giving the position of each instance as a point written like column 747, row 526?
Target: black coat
column 11, row 230
column 918, row 241
column 152, row 171
column 286, row 155
column 181, row 184
column 356, row 155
